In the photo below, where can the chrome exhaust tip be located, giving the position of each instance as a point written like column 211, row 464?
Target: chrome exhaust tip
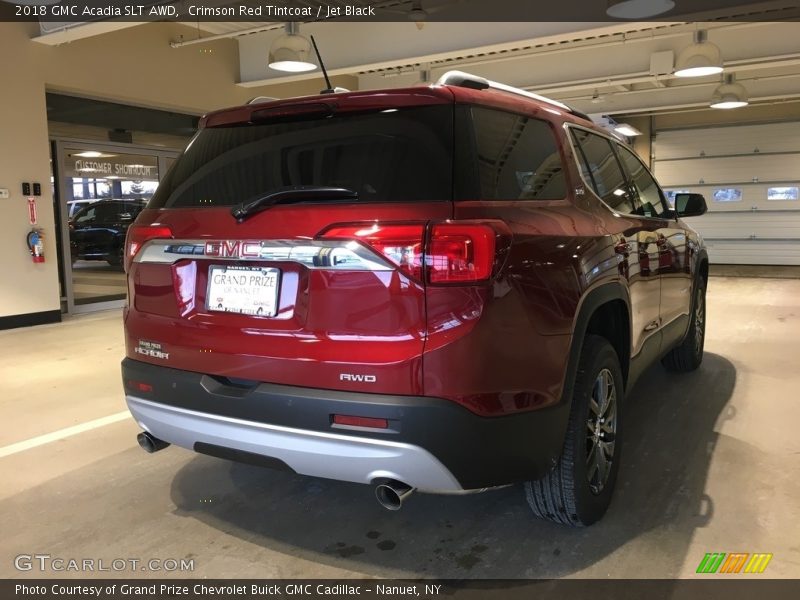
column 149, row 443
column 392, row 494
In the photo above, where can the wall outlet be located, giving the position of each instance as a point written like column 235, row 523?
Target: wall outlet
column 3, row 193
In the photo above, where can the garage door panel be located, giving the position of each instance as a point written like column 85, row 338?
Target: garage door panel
column 754, row 197
column 734, row 167
column 726, row 141
column 779, row 226
column 753, row 253
column 730, row 170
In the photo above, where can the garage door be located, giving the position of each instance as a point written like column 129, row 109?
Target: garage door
column 750, row 176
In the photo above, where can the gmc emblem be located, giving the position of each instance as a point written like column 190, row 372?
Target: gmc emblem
column 357, row 378
column 233, row 249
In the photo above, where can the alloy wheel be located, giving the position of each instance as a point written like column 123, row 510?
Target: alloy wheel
column 699, row 322
column 601, row 431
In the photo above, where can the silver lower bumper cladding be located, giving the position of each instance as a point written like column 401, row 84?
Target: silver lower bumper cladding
column 314, row 453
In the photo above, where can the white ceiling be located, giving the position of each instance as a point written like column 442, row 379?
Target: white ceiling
column 597, row 67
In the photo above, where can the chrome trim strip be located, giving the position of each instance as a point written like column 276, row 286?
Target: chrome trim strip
column 347, row 255
column 314, row 453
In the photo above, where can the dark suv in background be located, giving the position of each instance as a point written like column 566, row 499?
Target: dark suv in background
column 445, row 288
column 97, row 231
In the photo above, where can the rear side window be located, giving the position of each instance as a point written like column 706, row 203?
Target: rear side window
column 517, row 157
column 395, row 155
column 601, row 169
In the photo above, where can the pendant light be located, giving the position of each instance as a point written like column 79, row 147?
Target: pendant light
column 291, row 52
column 729, row 94
column 700, row 59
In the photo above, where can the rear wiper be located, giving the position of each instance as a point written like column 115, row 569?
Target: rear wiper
column 290, row 194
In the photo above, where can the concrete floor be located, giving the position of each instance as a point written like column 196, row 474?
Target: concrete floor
column 710, row 464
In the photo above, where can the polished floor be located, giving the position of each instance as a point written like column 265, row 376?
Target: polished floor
column 711, row 463
column 97, row 281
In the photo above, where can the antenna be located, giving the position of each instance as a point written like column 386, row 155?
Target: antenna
column 329, row 89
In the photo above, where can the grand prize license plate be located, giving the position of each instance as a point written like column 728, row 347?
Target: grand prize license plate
column 243, row 290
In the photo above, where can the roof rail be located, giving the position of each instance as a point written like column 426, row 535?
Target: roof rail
column 260, row 99
column 476, row 82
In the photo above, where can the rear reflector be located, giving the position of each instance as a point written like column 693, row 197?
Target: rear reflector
column 138, row 235
column 140, row 386
column 360, row 421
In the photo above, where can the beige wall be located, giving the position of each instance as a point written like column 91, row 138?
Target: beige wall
column 134, row 66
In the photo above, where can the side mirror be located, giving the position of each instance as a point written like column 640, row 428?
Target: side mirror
column 690, row 205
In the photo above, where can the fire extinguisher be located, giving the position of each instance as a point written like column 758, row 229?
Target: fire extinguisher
column 35, row 242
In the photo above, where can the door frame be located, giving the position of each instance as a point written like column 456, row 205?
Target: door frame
column 60, row 144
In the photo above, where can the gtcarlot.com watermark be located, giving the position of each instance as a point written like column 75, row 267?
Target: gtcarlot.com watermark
column 46, row 563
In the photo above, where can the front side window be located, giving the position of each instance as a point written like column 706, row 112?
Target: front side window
column 517, row 157
column 86, row 215
column 601, row 169
column 651, row 202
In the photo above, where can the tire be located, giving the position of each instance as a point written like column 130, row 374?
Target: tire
column 115, row 258
column 688, row 356
column 566, row 494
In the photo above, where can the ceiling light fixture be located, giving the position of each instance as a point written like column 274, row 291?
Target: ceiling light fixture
column 638, row 9
column 700, row 59
column 291, row 52
column 627, row 130
column 729, row 94
column 91, row 154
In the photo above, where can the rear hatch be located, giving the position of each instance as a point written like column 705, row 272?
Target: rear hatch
column 285, row 244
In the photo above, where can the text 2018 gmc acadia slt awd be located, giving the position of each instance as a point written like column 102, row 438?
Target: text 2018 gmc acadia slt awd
column 445, row 288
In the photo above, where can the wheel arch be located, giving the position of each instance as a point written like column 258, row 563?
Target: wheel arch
column 604, row 311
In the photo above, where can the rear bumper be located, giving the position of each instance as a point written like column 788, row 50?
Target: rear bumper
column 313, row 453
column 431, row 443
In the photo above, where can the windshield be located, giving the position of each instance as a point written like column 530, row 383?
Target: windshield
column 395, row 155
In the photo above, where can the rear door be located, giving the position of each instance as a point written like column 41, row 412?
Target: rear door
column 637, row 235
column 318, row 290
column 673, row 251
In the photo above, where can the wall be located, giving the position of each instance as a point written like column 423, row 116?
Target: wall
column 134, row 66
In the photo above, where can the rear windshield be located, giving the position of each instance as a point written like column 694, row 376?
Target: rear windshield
column 388, row 156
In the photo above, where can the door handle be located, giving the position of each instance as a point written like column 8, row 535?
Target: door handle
column 652, row 325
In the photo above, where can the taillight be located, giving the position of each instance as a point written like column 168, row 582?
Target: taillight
column 454, row 252
column 402, row 244
column 460, row 253
column 138, row 235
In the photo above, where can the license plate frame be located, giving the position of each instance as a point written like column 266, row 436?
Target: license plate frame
column 235, row 301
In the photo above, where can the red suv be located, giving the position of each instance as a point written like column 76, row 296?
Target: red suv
column 445, row 288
